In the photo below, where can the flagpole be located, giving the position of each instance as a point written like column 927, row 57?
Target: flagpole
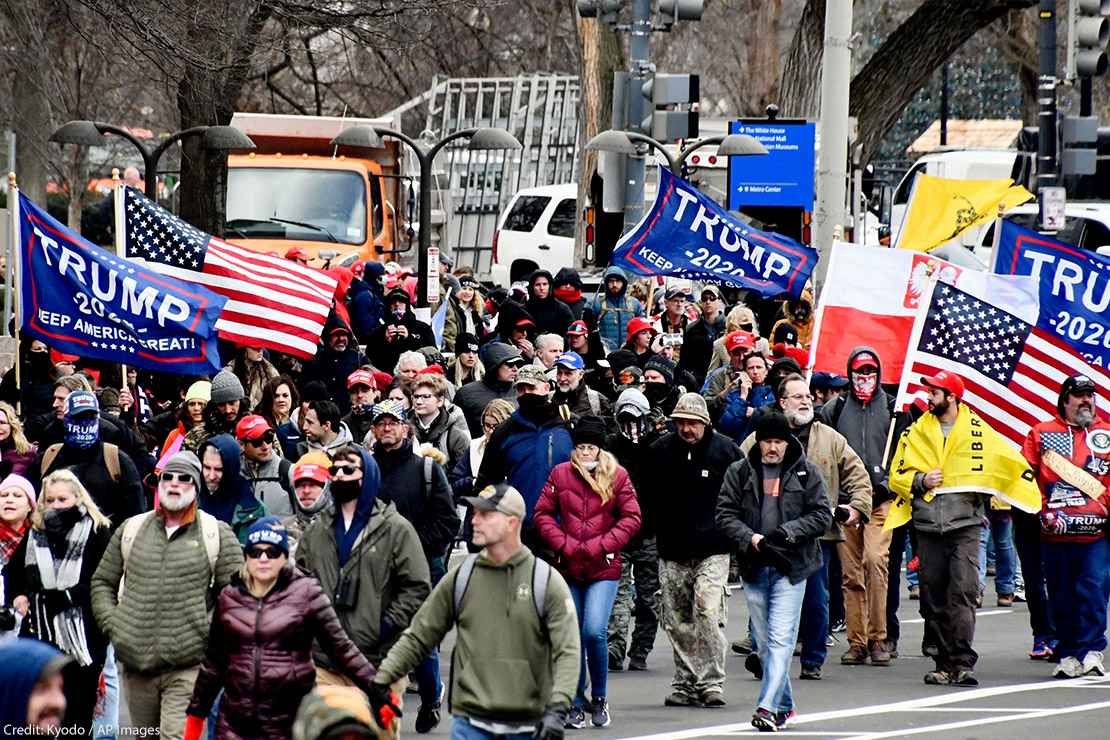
column 17, row 304
column 906, row 215
column 118, row 239
column 997, row 237
column 820, row 317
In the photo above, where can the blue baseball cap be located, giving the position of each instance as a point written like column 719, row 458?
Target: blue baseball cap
column 571, row 360
column 268, row 530
column 79, row 402
column 824, row 380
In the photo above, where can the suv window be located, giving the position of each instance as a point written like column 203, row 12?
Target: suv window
column 526, row 212
column 563, row 219
column 902, row 194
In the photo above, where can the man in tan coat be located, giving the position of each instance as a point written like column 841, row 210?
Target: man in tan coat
column 845, row 476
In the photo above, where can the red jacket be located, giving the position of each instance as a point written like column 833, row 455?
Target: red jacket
column 1090, row 450
column 586, row 535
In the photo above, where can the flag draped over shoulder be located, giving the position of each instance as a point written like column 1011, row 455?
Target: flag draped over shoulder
column 941, row 209
column 974, row 459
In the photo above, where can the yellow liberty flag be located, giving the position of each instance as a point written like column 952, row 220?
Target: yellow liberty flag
column 976, row 459
column 941, row 209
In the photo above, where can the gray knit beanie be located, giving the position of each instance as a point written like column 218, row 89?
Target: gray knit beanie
column 226, row 387
column 188, row 463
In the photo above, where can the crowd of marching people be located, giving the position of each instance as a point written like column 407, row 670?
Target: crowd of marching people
column 277, row 550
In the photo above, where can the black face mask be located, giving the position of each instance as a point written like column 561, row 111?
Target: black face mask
column 656, row 392
column 59, row 521
column 531, row 404
column 343, row 491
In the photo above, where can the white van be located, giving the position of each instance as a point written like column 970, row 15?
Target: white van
column 536, row 232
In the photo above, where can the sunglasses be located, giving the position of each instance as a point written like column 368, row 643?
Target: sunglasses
column 344, row 469
column 270, row 553
column 179, row 477
column 265, row 439
column 746, row 327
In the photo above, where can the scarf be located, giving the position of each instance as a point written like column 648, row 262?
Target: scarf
column 66, row 629
column 568, row 294
column 864, row 388
column 81, row 434
column 9, row 541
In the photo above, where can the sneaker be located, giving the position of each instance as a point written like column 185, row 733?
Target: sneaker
column 713, row 699
column 743, row 646
column 830, row 640
column 1019, row 595
column 599, row 712
column 1069, row 667
column 678, row 699
column 616, row 665
column 1041, row 650
column 915, row 593
column 637, row 664
column 938, row 678
column 914, row 565
column 878, row 654
column 1005, row 599
column 783, row 719
column 427, row 718
column 839, row 626
column 1092, row 664
column 964, row 678
column 856, row 655
column 810, row 673
column 754, row 666
column 576, row 718
column 764, row 721
column 891, row 648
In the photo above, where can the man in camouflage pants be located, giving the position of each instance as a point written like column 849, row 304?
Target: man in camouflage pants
column 635, row 598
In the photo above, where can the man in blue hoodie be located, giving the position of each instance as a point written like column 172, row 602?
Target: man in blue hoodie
column 614, row 309
column 365, row 303
column 31, row 693
column 226, row 495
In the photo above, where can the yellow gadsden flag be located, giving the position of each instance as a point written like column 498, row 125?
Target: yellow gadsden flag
column 975, row 459
column 942, row 209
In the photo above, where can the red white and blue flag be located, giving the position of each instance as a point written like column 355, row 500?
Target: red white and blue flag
column 272, row 302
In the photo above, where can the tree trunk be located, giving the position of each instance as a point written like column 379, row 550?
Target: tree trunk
column 601, row 56
column 801, row 73
column 30, row 103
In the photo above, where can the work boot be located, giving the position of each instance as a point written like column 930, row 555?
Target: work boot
column 743, row 646
column 637, row 664
column 879, row 655
column 856, row 655
column 892, row 648
column 1005, row 599
column 713, row 699
column 678, row 699
column 754, row 665
column 616, row 665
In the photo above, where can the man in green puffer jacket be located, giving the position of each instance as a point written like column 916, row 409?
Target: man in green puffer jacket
column 177, row 560
column 513, row 671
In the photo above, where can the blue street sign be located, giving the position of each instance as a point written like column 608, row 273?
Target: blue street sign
column 782, row 177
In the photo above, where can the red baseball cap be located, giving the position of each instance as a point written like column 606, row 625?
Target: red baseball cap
column 382, row 378
column 432, row 369
column 310, row 471
column 578, row 328
column 947, row 381
column 739, row 339
column 637, row 325
column 358, row 268
column 361, row 377
column 251, row 427
column 865, row 359
column 297, row 253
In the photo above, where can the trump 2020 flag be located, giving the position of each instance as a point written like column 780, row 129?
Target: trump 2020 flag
column 1074, row 287
column 685, row 234
column 83, row 300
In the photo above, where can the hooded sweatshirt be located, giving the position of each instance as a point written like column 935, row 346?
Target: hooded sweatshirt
column 233, row 501
column 473, row 398
column 865, row 426
column 22, row 662
column 614, row 312
column 551, row 315
column 568, row 289
column 371, row 482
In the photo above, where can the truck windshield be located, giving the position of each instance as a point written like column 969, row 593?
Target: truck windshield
column 303, row 204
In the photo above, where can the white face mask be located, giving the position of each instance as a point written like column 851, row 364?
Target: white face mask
column 590, row 465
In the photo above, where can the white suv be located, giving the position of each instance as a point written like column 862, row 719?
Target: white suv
column 536, row 232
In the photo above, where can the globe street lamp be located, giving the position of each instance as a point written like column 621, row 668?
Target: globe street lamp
column 93, row 133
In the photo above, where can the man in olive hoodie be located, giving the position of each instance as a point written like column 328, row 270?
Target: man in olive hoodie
column 159, row 623
column 513, row 672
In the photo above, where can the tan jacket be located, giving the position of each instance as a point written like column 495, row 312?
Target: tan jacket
column 841, row 469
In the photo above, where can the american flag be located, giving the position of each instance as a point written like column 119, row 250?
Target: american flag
column 1012, row 371
column 272, row 302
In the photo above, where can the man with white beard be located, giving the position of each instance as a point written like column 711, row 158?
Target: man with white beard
column 845, row 477
column 177, row 559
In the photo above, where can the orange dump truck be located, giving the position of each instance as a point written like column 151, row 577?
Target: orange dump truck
column 297, row 189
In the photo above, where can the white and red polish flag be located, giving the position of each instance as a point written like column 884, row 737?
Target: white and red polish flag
column 870, row 297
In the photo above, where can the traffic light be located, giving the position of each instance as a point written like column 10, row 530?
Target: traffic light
column 681, row 10
column 1079, row 135
column 671, row 106
column 1088, row 37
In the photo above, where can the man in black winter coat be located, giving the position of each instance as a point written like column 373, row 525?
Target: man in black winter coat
column 685, row 472
column 501, row 362
column 400, row 332
column 335, row 361
column 551, row 315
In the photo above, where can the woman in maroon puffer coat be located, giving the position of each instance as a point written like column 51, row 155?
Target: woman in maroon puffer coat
column 586, row 513
column 260, row 645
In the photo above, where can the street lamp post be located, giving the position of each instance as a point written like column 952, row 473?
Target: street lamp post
column 92, row 133
column 480, row 139
column 624, row 142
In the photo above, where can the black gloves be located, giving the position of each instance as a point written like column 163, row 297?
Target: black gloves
column 551, row 727
column 779, row 538
column 384, row 705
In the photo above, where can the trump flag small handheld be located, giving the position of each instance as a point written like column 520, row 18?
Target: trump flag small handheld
column 685, row 234
column 83, row 300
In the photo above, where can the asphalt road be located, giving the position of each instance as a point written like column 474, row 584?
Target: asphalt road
column 1016, row 698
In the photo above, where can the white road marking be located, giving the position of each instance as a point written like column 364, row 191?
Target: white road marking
column 986, row 613
column 955, row 696
column 1054, row 712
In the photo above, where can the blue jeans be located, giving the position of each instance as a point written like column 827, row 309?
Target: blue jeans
column 461, row 729
column 106, row 720
column 775, row 605
column 1001, row 530
column 815, row 611
column 1076, row 576
column 593, row 602
column 427, row 670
